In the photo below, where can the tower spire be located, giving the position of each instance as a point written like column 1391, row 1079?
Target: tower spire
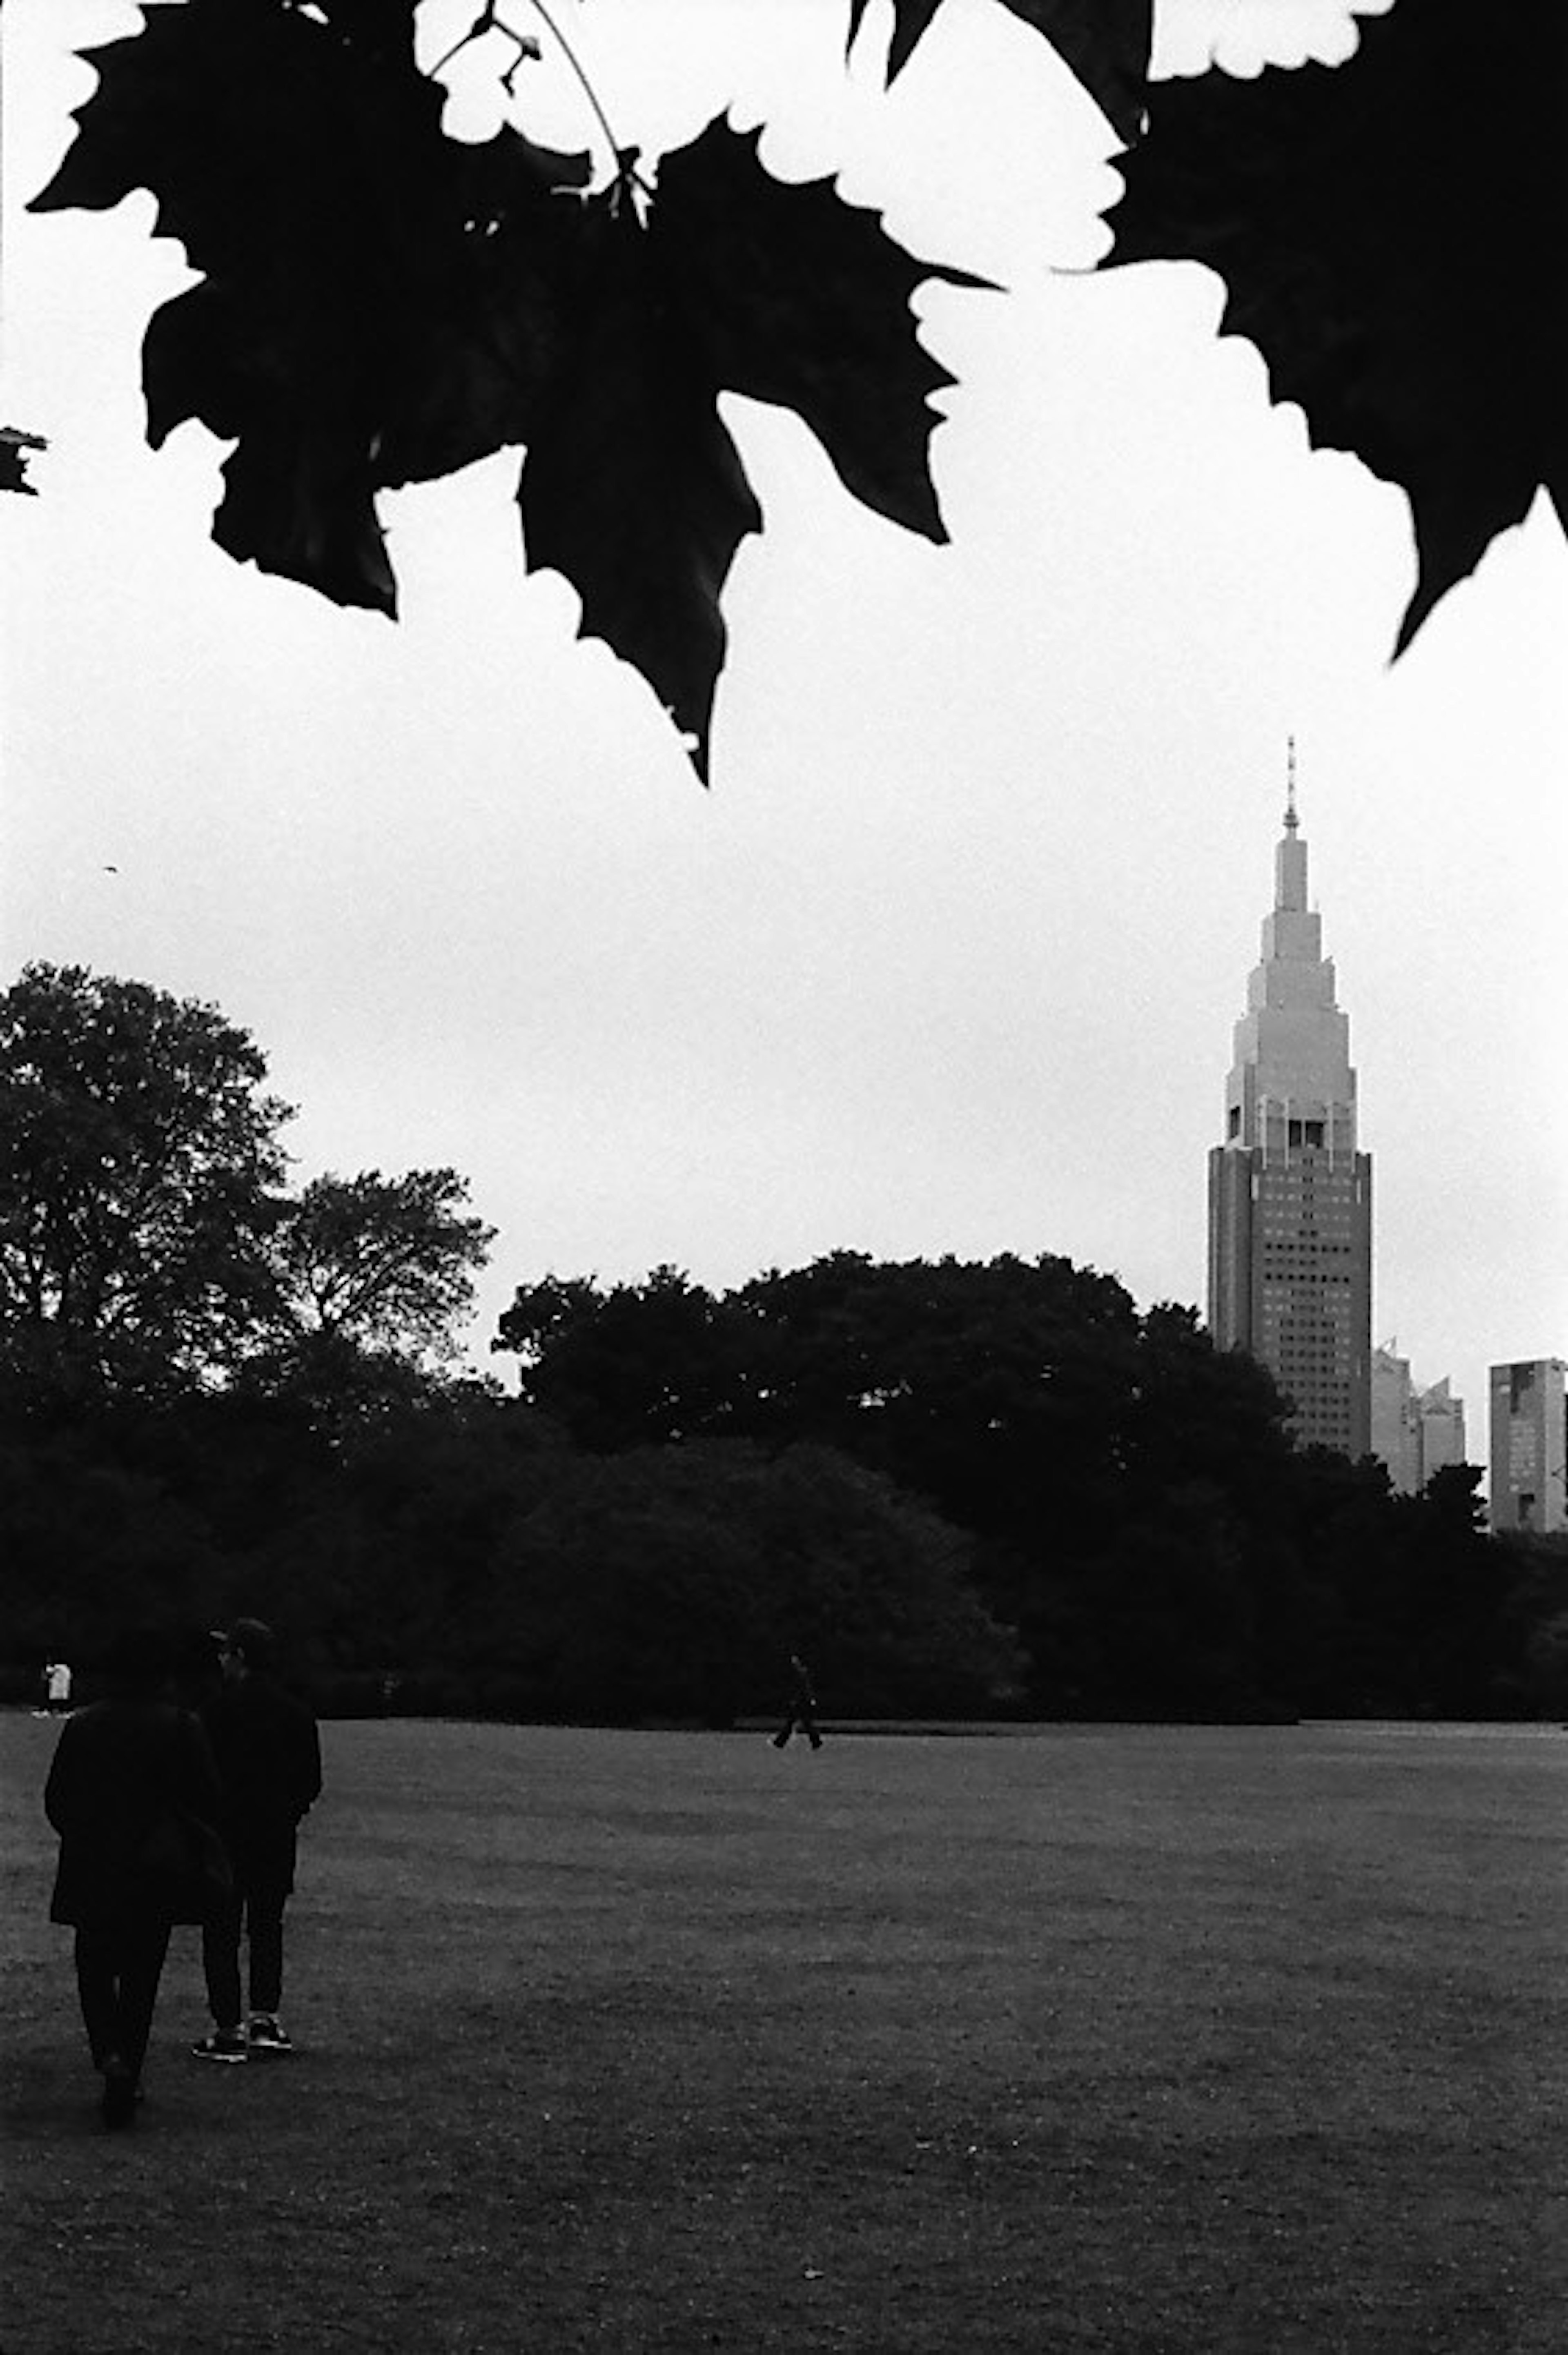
column 1290, row 856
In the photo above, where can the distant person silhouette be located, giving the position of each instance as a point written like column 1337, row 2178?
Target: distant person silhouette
column 801, row 1713
column 119, row 1767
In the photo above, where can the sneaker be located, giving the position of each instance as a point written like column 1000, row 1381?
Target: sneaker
column 224, row 2044
column 268, row 2033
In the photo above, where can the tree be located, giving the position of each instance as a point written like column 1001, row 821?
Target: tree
column 139, row 1157
column 385, row 1262
column 989, row 1388
column 1458, row 1635
column 675, row 1579
column 378, row 305
column 642, row 1362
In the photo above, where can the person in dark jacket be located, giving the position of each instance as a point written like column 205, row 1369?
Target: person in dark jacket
column 269, row 1767
column 802, row 1709
column 120, row 1769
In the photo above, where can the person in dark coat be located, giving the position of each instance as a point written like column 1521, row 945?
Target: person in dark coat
column 269, row 1766
column 802, row 1709
column 119, row 1769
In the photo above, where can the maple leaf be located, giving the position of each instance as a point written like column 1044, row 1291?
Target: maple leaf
column 803, row 300
column 738, row 282
column 379, row 304
column 632, row 486
column 1105, row 42
column 343, row 334
column 1389, row 232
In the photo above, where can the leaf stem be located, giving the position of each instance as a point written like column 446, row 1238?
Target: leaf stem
column 482, row 25
column 588, row 90
column 490, row 20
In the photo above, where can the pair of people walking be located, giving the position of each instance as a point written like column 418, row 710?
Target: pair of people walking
column 149, row 1799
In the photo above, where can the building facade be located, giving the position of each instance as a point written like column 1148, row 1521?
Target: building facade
column 1529, row 1445
column 1397, row 1426
column 1290, row 1193
column 1414, row 1432
column 1441, row 1429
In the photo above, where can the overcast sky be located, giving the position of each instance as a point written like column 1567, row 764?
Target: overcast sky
column 948, row 958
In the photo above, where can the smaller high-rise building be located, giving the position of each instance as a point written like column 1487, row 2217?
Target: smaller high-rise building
column 1441, row 1429
column 1530, row 1446
column 1396, row 1430
column 1414, row 1432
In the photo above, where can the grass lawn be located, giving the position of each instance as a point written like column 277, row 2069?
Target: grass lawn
column 1145, row 2042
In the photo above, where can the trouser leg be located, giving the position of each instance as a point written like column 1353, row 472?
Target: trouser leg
column 142, row 1952
column 264, row 1924
column 95, row 1986
column 220, row 1964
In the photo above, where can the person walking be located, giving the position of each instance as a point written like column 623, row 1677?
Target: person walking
column 268, row 1751
column 122, row 1768
column 801, row 1710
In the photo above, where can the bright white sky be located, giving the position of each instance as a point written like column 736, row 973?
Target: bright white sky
column 948, row 959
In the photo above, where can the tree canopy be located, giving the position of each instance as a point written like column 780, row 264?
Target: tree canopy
column 148, row 1245
column 383, row 1261
column 138, row 1159
column 379, row 304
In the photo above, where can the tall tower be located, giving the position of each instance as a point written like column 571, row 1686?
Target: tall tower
column 1290, row 1198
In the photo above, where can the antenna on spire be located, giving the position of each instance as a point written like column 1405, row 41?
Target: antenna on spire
column 1291, row 820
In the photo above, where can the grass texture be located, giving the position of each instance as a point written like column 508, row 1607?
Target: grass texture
column 1075, row 2041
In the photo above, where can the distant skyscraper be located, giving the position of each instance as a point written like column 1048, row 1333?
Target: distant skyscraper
column 1290, row 1216
column 1529, row 1446
column 1441, row 1429
column 1415, row 1433
column 1397, row 1426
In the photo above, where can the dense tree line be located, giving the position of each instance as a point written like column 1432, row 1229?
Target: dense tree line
column 957, row 1487
column 1140, row 1515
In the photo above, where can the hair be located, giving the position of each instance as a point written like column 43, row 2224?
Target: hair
column 254, row 1641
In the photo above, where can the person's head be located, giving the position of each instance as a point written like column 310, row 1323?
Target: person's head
column 249, row 1648
column 139, row 1661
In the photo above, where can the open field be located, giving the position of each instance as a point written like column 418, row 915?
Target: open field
column 1143, row 2042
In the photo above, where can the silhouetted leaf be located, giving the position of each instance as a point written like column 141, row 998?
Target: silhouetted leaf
column 379, row 304
column 632, row 486
column 911, row 18
column 739, row 283
column 1106, row 43
column 371, row 310
column 1390, row 234
column 14, row 447
column 803, row 300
